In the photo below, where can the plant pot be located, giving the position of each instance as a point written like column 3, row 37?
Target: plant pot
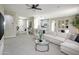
column 40, row 40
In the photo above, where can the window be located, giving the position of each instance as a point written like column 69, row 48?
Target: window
column 53, row 25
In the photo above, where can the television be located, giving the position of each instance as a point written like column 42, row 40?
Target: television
column 1, row 26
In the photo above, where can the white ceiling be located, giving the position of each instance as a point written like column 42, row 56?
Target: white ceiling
column 22, row 9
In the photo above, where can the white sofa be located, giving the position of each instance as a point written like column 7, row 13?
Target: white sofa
column 56, row 38
column 70, row 47
column 67, row 45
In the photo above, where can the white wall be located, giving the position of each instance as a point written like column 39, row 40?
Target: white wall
column 37, row 19
column 10, row 27
column 71, row 28
column 62, row 13
column 2, row 40
column 1, row 45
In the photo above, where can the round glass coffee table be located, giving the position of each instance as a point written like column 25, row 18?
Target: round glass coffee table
column 41, row 46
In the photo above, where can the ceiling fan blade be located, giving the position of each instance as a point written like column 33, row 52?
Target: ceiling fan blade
column 36, row 5
column 29, row 5
column 38, row 8
column 33, row 6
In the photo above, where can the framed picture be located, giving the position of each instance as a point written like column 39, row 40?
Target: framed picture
column 44, row 23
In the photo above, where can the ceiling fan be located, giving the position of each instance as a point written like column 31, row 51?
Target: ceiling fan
column 33, row 6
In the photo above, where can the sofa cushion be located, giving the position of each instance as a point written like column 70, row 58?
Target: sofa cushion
column 54, row 39
column 70, row 47
column 73, row 36
column 71, row 44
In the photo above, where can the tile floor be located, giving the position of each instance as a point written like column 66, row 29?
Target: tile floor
column 24, row 44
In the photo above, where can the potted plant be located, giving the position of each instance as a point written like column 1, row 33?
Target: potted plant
column 75, row 22
column 40, row 36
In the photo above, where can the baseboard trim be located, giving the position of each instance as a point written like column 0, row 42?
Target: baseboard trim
column 9, row 36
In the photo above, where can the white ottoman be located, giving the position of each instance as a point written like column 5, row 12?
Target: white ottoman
column 70, row 47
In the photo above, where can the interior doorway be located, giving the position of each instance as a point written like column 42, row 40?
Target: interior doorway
column 25, row 26
column 31, row 25
column 21, row 26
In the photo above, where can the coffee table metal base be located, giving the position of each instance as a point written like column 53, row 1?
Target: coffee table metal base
column 45, row 47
